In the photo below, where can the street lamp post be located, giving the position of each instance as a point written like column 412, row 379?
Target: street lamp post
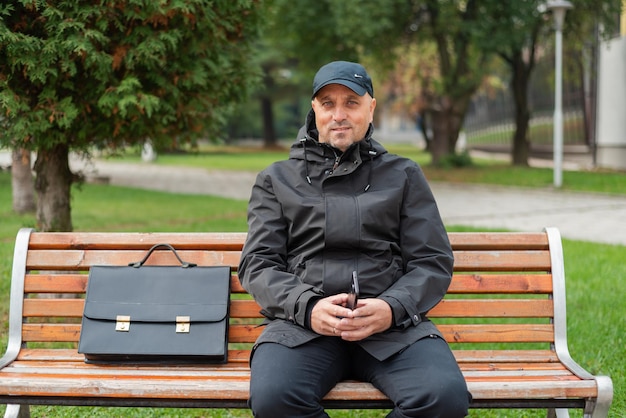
column 558, row 9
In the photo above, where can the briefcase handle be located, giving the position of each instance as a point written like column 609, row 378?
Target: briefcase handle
column 184, row 264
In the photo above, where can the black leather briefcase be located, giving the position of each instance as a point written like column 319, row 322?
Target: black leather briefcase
column 156, row 314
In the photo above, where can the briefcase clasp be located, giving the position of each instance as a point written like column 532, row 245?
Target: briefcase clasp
column 182, row 324
column 122, row 323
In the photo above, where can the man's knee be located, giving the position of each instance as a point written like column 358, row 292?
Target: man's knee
column 451, row 400
column 448, row 399
column 275, row 399
column 440, row 391
column 294, row 385
column 456, row 407
column 266, row 398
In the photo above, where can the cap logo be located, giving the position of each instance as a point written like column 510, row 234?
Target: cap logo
column 358, row 76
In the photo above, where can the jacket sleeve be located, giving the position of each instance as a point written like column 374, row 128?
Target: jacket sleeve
column 263, row 267
column 426, row 254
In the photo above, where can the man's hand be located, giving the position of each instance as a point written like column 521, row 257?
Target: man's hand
column 330, row 317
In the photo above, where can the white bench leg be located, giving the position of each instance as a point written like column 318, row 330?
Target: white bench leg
column 558, row 413
column 601, row 407
column 17, row 411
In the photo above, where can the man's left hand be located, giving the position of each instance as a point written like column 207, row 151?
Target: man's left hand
column 370, row 317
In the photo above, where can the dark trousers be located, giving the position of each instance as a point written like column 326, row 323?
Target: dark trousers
column 422, row 381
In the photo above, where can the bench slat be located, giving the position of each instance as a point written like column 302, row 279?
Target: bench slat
column 451, row 308
column 535, row 371
column 231, row 385
column 497, row 308
column 461, row 283
column 73, row 308
column 77, row 283
column 496, row 333
column 83, row 259
column 527, row 260
column 233, row 240
column 492, row 358
column 219, row 241
column 80, row 260
column 71, row 333
column 244, row 333
column 500, row 240
column 501, row 283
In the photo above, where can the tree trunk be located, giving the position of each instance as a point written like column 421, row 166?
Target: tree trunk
column 441, row 132
column 269, row 133
column 22, row 182
column 521, row 143
column 589, row 94
column 447, row 121
column 53, row 185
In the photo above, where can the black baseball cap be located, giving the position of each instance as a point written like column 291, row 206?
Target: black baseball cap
column 349, row 74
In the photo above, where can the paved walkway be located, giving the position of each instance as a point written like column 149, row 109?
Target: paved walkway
column 581, row 216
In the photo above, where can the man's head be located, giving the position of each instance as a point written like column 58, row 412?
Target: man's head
column 343, row 103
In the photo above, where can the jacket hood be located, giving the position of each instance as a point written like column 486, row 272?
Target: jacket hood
column 308, row 148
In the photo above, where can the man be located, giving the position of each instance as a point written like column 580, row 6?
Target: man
column 342, row 204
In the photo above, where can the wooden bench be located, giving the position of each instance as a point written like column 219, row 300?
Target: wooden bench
column 504, row 315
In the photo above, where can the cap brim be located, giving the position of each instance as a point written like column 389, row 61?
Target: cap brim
column 357, row 88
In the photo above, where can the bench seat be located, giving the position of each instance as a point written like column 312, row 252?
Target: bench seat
column 504, row 316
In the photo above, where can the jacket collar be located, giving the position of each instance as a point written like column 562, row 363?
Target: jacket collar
column 309, row 149
column 308, row 143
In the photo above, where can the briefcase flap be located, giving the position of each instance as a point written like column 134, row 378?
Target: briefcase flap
column 158, row 293
column 155, row 312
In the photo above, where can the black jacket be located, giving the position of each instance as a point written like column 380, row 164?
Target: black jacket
column 321, row 214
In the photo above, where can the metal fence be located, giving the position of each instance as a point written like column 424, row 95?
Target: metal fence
column 490, row 120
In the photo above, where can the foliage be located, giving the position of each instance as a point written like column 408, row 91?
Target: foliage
column 104, row 73
column 307, row 33
column 523, row 29
column 456, row 160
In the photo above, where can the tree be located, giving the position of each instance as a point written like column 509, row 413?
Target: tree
column 523, row 28
column 294, row 43
column 521, row 25
column 83, row 75
column 455, row 42
column 589, row 22
column 373, row 31
column 461, row 35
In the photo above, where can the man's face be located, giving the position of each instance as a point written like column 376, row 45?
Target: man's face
column 342, row 116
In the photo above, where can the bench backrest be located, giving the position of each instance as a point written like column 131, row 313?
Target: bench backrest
column 503, row 290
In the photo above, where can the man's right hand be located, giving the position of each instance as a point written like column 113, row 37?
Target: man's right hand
column 327, row 314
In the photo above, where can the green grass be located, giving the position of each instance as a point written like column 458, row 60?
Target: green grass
column 541, row 132
column 214, row 157
column 107, row 208
column 482, row 170
column 596, row 272
column 504, row 175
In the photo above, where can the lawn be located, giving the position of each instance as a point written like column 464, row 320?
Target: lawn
column 486, row 171
column 596, row 272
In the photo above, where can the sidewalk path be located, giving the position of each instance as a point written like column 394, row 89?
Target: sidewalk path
column 184, row 180
column 580, row 216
